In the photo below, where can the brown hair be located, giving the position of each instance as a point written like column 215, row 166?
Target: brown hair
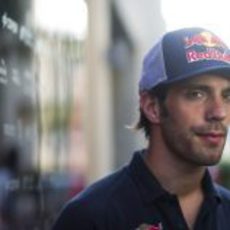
column 160, row 92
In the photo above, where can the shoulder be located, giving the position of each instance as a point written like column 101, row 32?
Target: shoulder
column 93, row 205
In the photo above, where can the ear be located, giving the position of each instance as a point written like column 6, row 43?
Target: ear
column 150, row 107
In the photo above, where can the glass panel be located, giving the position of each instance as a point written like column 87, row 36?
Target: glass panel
column 41, row 61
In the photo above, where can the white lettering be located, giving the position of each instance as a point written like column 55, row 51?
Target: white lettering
column 9, row 24
column 193, row 56
column 26, row 36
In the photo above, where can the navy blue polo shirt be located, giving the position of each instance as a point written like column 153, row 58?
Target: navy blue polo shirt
column 132, row 198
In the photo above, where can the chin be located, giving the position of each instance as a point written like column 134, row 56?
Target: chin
column 211, row 156
column 211, row 161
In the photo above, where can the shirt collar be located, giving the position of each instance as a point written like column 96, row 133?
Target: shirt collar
column 150, row 189
column 209, row 187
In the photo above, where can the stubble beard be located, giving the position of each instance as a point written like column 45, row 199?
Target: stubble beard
column 186, row 146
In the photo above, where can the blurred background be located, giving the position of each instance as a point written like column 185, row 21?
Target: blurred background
column 68, row 91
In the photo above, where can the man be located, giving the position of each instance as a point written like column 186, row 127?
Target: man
column 184, row 111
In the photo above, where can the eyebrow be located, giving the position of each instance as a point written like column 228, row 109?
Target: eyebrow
column 202, row 87
column 196, row 86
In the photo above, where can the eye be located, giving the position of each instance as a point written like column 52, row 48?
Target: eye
column 196, row 94
column 226, row 95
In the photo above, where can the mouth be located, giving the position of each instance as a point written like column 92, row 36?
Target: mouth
column 212, row 138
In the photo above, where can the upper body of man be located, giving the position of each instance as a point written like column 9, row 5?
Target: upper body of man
column 185, row 112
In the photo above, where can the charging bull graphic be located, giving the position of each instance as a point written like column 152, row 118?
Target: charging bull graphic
column 205, row 46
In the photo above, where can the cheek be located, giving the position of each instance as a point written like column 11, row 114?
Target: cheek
column 187, row 115
column 228, row 117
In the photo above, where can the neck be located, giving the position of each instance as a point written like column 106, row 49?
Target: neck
column 175, row 176
column 178, row 177
column 180, row 180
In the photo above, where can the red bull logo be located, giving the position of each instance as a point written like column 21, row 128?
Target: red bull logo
column 150, row 227
column 194, row 56
column 212, row 48
column 206, row 39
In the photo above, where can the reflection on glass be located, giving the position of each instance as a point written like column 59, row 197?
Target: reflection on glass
column 41, row 60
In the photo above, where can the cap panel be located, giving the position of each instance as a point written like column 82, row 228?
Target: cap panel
column 174, row 53
column 153, row 71
column 192, row 51
column 182, row 54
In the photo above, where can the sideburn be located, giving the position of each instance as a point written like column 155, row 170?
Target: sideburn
column 161, row 93
column 164, row 113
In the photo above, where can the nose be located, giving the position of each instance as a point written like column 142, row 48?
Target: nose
column 217, row 110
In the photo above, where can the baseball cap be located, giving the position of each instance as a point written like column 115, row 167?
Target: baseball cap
column 182, row 54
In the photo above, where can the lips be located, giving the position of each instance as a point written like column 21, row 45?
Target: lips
column 213, row 134
column 214, row 138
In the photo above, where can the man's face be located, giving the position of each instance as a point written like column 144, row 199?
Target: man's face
column 194, row 127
